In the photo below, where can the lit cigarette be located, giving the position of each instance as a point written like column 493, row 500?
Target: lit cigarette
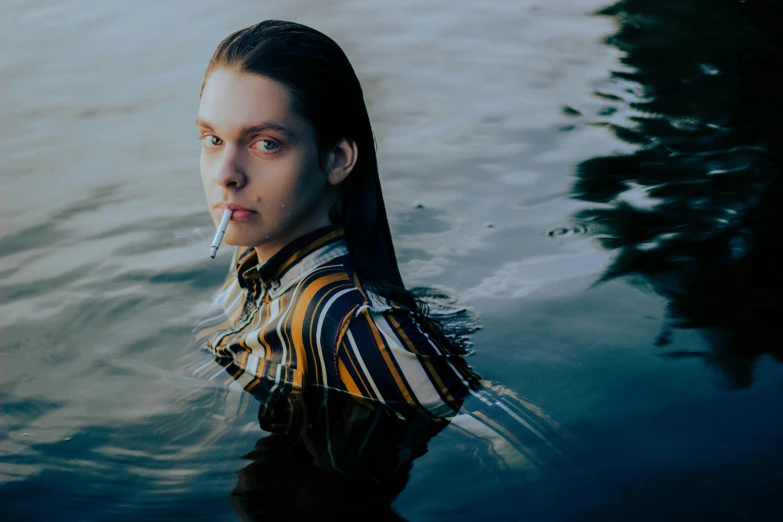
column 220, row 231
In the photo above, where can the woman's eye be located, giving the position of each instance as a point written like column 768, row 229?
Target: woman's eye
column 266, row 145
column 210, row 140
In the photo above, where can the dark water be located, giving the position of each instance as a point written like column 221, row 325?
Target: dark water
column 600, row 183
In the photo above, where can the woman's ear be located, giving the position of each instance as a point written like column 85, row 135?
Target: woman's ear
column 343, row 159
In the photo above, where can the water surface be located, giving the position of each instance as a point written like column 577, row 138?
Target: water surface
column 599, row 183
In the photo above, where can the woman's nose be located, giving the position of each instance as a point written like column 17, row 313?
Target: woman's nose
column 230, row 173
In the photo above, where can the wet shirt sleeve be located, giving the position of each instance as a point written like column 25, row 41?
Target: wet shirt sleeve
column 386, row 356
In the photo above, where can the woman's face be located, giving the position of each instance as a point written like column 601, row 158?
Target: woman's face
column 260, row 158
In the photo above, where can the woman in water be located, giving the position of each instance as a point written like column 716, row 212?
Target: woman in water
column 314, row 312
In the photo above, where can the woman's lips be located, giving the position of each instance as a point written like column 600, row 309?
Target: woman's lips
column 237, row 213
column 241, row 214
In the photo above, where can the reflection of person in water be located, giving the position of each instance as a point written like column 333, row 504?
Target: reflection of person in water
column 313, row 318
column 353, row 457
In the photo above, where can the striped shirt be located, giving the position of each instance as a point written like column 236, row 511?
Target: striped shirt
column 302, row 324
column 303, row 319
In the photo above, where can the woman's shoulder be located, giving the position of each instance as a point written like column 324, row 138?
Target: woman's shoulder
column 330, row 297
column 386, row 323
column 389, row 353
column 333, row 285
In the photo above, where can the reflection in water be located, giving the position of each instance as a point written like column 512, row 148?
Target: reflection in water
column 337, row 453
column 353, row 458
column 697, row 208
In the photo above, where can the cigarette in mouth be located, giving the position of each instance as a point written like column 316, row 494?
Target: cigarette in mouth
column 220, row 231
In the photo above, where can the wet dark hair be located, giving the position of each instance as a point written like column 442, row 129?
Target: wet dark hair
column 327, row 93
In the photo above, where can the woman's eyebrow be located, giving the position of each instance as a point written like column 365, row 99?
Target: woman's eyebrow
column 251, row 129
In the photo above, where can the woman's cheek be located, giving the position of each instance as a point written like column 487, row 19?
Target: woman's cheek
column 285, row 209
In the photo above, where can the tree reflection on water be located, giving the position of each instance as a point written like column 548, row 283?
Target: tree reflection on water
column 696, row 209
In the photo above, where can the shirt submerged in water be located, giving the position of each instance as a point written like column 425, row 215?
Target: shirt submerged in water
column 302, row 325
column 303, row 319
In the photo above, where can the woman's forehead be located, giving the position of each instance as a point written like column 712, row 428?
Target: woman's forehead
column 232, row 101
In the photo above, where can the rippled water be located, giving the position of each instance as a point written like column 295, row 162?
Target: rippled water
column 601, row 189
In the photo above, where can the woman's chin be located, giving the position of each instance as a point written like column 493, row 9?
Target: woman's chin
column 239, row 240
column 236, row 240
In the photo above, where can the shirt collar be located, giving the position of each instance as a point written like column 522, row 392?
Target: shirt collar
column 293, row 260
